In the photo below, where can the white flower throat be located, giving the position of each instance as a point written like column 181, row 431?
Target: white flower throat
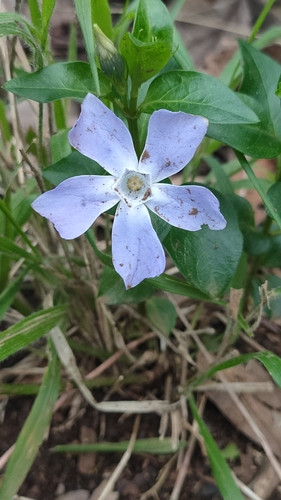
column 134, row 188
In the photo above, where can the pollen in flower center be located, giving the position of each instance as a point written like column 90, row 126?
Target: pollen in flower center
column 134, row 183
column 134, row 188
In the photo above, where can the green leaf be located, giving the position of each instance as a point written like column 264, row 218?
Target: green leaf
column 180, row 54
column 7, row 247
column 222, row 474
column 144, row 60
column 35, row 13
column 261, row 76
column 223, row 183
column 73, row 79
column 8, row 295
column 274, row 194
column 112, row 288
column 270, row 361
column 149, row 47
column 13, row 29
column 60, row 145
column 175, row 285
column 102, row 17
column 84, row 14
column 197, row 93
column 149, row 445
column 4, row 123
column 70, row 166
column 47, row 10
column 33, row 431
column 153, row 23
column 29, row 329
column 208, row 259
column 231, row 121
column 161, row 313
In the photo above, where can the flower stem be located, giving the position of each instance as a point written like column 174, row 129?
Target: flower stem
column 248, row 169
column 132, row 121
column 261, row 19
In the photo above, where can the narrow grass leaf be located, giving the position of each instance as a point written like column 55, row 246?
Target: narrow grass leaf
column 84, row 14
column 9, row 293
column 29, row 329
column 33, row 431
column 9, row 248
column 270, row 361
column 150, row 445
column 222, row 474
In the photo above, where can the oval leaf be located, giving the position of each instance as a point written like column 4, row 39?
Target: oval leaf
column 59, row 80
column 208, row 259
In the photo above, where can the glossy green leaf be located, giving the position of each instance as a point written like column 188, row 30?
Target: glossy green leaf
column 197, row 93
column 29, row 329
column 161, row 313
column 113, row 290
column 73, row 79
column 231, row 121
column 208, row 259
column 260, row 80
column 252, row 140
column 222, row 474
column 274, row 194
column 149, row 47
column 144, row 60
column 33, row 431
column 153, row 22
column 70, row 166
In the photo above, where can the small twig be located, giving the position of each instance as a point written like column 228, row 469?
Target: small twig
column 163, row 474
column 185, row 464
column 241, row 387
column 34, row 170
column 123, row 462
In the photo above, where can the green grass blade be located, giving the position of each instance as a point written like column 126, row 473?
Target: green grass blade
column 222, row 474
column 84, row 14
column 154, row 446
column 29, row 329
column 33, row 431
column 8, row 295
column 35, row 14
column 9, row 216
column 9, row 248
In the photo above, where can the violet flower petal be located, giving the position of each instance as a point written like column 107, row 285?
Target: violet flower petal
column 75, row 204
column 186, row 207
column 172, row 140
column 100, row 135
column 136, row 250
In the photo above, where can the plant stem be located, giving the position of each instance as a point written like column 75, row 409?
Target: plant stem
column 132, row 121
column 259, row 22
column 248, row 169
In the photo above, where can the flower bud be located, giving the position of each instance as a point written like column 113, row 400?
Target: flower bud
column 112, row 63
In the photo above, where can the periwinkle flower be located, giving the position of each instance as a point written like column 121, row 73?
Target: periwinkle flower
column 74, row 205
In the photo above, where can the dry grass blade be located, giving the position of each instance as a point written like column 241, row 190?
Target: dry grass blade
column 123, row 462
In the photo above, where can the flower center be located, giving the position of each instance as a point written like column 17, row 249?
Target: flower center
column 134, row 183
column 134, row 188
